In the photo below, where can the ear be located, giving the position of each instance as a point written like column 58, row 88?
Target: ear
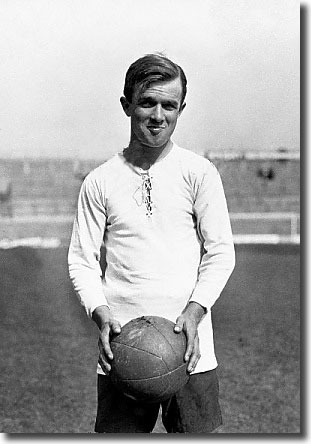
column 126, row 105
column 183, row 106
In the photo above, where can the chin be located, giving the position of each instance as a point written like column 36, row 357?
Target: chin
column 156, row 144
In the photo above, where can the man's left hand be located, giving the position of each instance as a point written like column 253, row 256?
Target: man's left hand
column 188, row 322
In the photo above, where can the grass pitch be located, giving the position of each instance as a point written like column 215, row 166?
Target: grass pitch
column 49, row 347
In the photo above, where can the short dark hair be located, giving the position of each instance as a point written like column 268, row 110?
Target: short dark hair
column 152, row 68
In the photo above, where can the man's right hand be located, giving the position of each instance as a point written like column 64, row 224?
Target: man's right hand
column 108, row 326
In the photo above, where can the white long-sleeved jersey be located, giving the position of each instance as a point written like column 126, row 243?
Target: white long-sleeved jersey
column 167, row 239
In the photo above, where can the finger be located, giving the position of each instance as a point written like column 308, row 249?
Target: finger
column 115, row 328
column 193, row 363
column 105, row 341
column 104, row 364
column 103, row 358
column 179, row 324
column 195, row 356
column 190, row 347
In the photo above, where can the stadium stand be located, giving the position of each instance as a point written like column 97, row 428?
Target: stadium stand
column 262, row 189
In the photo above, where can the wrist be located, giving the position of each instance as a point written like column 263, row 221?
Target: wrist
column 100, row 315
column 197, row 310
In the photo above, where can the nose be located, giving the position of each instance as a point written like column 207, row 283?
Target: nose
column 157, row 113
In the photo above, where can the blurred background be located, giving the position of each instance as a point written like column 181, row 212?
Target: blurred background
column 63, row 67
column 63, row 64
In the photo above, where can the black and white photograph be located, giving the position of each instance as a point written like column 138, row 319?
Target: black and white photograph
column 150, row 181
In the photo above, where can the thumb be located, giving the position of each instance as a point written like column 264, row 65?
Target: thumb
column 115, row 327
column 179, row 324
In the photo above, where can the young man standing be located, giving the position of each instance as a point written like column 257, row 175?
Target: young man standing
column 161, row 213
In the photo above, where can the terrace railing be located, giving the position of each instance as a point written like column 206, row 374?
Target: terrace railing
column 274, row 227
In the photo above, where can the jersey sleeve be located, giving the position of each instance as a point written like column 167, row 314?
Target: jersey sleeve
column 214, row 230
column 85, row 245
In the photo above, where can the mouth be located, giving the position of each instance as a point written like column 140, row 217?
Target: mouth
column 155, row 130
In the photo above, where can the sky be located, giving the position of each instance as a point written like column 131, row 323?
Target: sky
column 63, row 63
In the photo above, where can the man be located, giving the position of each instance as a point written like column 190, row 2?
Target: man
column 5, row 194
column 161, row 213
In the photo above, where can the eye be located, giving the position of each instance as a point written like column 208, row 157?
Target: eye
column 146, row 103
column 169, row 106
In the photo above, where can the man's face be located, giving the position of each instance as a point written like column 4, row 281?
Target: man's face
column 154, row 113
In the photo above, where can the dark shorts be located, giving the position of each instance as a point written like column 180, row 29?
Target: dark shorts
column 194, row 409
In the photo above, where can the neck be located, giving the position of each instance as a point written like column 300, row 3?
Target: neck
column 144, row 157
